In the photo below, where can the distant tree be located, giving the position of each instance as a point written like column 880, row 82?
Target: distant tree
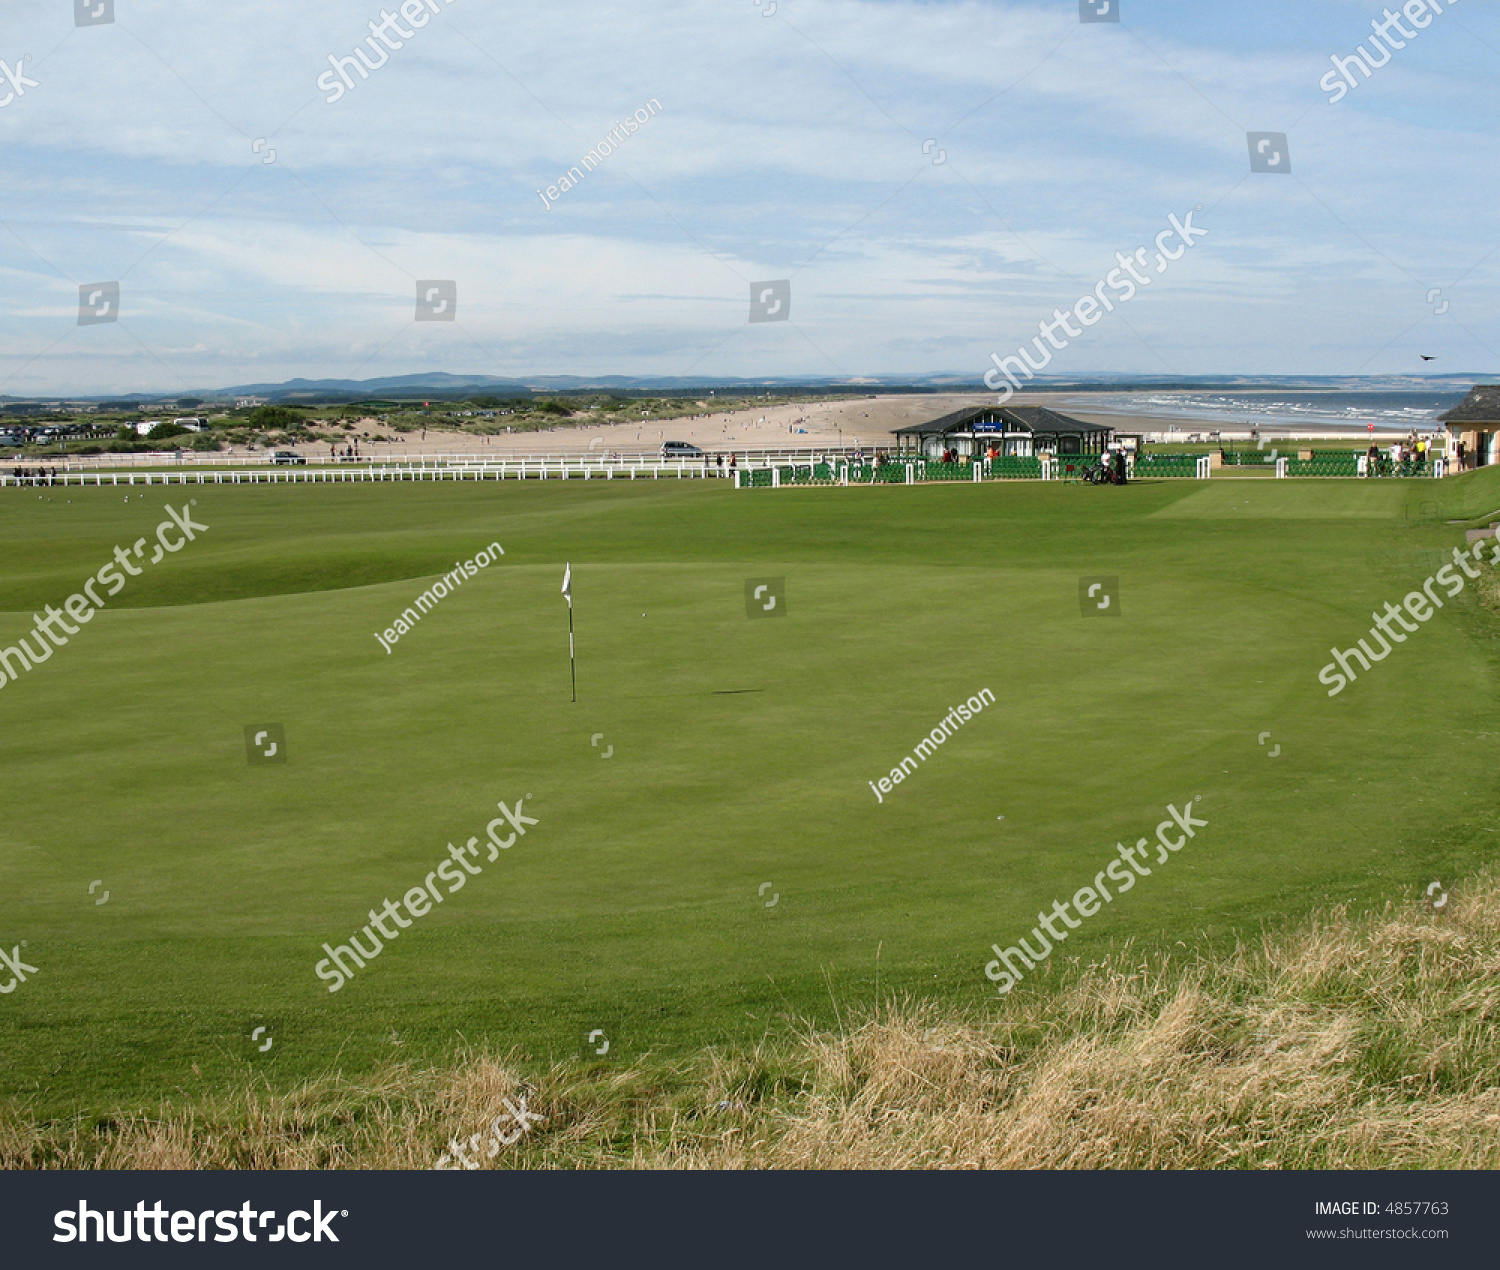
column 553, row 408
column 275, row 417
column 164, row 430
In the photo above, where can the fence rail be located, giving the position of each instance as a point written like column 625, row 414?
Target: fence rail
column 772, row 473
column 913, row 470
column 339, row 476
column 597, row 458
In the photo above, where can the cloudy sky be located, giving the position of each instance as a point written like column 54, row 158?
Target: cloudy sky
column 933, row 178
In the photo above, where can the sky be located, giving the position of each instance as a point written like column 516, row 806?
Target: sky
column 931, row 181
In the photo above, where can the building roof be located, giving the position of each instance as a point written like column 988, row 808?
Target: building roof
column 1482, row 405
column 1037, row 420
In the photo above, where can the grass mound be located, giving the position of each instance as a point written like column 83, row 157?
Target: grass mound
column 1341, row 1042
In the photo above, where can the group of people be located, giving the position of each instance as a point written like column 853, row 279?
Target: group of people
column 39, row 476
column 1115, row 465
column 1409, row 456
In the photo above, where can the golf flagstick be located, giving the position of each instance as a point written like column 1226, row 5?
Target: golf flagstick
column 567, row 590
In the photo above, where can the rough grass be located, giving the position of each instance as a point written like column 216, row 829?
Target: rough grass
column 1489, row 587
column 1342, row 1042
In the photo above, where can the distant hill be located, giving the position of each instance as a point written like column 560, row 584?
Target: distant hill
column 444, row 385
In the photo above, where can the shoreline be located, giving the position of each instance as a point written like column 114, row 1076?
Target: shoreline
column 867, row 422
column 864, row 422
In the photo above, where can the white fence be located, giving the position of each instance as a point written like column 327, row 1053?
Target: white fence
column 682, row 470
column 600, row 459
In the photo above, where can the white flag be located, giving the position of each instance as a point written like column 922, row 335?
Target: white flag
column 567, row 589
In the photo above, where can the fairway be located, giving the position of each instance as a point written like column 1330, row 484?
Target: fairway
column 708, row 858
column 1290, row 500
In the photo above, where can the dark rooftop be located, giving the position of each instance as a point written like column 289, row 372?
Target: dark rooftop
column 1482, row 405
column 1038, row 420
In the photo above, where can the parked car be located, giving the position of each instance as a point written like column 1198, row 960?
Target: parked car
column 287, row 456
column 680, row 450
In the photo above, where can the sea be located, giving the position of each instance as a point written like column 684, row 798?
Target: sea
column 1355, row 409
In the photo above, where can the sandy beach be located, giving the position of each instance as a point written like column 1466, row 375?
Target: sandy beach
column 865, row 421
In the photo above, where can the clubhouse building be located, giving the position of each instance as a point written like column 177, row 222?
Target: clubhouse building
column 1019, row 431
column 1475, row 423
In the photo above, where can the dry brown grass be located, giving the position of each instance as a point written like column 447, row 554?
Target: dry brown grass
column 1342, row 1043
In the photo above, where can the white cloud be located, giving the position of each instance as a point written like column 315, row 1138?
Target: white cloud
column 785, row 146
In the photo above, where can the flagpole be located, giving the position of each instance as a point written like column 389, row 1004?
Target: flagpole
column 567, row 590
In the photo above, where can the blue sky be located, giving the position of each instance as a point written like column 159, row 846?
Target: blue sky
column 788, row 144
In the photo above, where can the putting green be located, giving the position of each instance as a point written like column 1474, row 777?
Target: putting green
column 727, row 864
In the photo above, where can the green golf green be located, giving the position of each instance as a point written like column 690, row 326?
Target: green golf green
column 708, row 857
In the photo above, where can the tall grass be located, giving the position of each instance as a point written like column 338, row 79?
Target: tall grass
column 1343, row 1042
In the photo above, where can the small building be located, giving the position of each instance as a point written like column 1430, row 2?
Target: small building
column 1021, row 431
column 1475, row 424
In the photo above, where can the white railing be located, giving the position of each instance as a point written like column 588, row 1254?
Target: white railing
column 498, row 471
column 618, row 459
